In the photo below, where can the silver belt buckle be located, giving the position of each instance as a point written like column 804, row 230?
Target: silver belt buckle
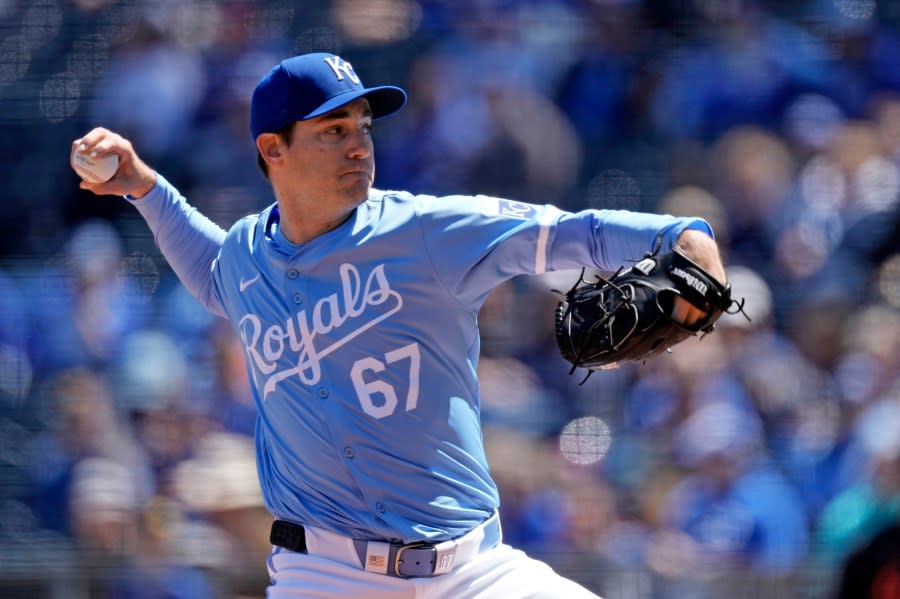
column 398, row 557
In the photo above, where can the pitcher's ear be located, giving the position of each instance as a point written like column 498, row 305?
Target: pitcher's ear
column 269, row 147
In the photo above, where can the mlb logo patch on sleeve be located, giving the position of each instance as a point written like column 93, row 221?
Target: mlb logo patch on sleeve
column 510, row 208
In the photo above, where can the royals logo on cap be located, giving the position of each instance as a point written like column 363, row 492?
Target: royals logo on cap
column 341, row 67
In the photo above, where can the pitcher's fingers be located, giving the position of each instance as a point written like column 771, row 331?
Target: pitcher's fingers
column 101, row 148
column 92, row 187
column 89, row 141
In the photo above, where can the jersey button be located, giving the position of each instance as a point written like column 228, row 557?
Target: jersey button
column 323, row 392
column 298, row 299
column 380, row 507
column 348, row 452
column 292, row 274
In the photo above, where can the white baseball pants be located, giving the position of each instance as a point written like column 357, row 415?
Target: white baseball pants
column 331, row 570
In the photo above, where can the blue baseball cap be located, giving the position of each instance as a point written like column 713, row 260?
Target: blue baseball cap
column 309, row 85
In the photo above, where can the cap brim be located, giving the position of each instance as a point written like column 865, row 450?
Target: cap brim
column 384, row 100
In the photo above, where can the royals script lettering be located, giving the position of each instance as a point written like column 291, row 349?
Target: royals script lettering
column 350, row 310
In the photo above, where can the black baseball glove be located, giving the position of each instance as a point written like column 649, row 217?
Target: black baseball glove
column 627, row 318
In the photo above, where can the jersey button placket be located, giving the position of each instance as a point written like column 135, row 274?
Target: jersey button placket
column 294, row 286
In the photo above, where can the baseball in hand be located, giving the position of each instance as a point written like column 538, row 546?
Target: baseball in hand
column 94, row 169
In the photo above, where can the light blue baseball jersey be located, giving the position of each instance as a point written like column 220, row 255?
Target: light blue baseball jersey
column 362, row 344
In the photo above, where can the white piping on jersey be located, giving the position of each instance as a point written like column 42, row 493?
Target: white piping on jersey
column 540, row 257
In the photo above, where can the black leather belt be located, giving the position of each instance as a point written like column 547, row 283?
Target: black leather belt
column 409, row 560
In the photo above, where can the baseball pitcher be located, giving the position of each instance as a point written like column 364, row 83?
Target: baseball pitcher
column 357, row 309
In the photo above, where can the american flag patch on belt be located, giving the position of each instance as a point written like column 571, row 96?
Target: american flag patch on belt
column 377, row 557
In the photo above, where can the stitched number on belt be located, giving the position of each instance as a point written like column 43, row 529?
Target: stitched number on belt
column 444, row 554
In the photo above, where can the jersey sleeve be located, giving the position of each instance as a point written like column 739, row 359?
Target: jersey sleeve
column 476, row 242
column 189, row 241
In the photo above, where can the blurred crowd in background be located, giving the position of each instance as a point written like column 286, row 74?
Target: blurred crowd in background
column 754, row 462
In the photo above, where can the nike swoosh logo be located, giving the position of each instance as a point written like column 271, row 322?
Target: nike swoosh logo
column 244, row 284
